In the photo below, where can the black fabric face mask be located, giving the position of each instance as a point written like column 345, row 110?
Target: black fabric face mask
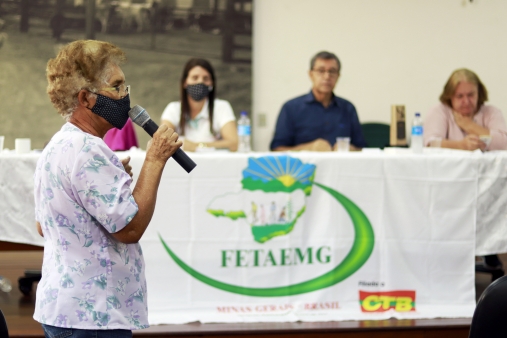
column 199, row 91
column 113, row 111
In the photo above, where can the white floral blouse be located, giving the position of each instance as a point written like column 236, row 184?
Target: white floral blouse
column 89, row 279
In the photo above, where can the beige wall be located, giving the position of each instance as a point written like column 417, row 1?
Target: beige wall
column 392, row 52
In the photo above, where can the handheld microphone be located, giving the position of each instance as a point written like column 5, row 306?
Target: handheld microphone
column 140, row 117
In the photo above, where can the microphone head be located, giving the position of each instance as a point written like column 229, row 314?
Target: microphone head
column 139, row 115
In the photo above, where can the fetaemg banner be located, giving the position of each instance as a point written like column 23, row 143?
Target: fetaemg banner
column 311, row 237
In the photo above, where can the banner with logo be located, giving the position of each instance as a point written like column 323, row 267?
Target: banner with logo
column 311, row 237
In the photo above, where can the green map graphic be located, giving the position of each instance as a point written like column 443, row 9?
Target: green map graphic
column 281, row 183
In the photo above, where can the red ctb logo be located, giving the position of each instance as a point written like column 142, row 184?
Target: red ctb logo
column 400, row 301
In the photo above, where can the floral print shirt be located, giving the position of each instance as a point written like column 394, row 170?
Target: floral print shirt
column 89, row 279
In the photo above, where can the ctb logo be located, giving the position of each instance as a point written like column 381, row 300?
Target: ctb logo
column 400, row 301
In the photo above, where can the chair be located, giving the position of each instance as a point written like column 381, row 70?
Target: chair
column 491, row 311
column 4, row 332
column 25, row 283
column 376, row 135
column 492, row 265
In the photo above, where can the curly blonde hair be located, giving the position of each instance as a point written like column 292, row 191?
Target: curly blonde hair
column 82, row 64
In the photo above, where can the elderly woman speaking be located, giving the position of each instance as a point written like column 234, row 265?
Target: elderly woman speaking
column 93, row 282
column 463, row 120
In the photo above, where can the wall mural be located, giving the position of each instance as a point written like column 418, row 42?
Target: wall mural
column 158, row 36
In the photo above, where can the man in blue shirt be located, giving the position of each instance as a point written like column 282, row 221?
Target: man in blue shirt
column 314, row 121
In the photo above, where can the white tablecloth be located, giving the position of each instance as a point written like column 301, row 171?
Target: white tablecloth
column 427, row 212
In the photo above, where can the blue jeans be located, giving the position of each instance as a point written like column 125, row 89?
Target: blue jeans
column 62, row 332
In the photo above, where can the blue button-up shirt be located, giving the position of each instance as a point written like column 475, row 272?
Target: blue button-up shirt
column 304, row 119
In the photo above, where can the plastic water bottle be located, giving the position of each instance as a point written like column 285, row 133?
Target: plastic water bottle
column 244, row 133
column 5, row 284
column 416, row 142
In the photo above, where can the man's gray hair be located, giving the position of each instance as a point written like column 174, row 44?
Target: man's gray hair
column 326, row 56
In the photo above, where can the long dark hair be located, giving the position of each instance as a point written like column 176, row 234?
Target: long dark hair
column 185, row 106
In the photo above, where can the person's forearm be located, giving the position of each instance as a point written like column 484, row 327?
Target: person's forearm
column 145, row 195
column 474, row 128
column 316, row 145
column 303, row 146
column 451, row 144
column 223, row 144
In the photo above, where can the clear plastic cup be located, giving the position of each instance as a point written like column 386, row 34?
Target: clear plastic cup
column 23, row 145
column 342, row 144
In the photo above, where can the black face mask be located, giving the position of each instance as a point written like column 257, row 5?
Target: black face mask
column 199, row 91
column 113, row 111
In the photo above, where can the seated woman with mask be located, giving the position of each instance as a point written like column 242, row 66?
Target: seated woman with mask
column 462, row 120
column 203, row 120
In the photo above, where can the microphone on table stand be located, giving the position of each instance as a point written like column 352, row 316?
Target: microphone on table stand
column 140, row 117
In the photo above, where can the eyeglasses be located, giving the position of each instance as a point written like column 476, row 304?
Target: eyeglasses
column 331, row 72
column 121, row 90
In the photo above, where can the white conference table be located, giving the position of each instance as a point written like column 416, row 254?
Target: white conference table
column 429, row 213
column 489, row 171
